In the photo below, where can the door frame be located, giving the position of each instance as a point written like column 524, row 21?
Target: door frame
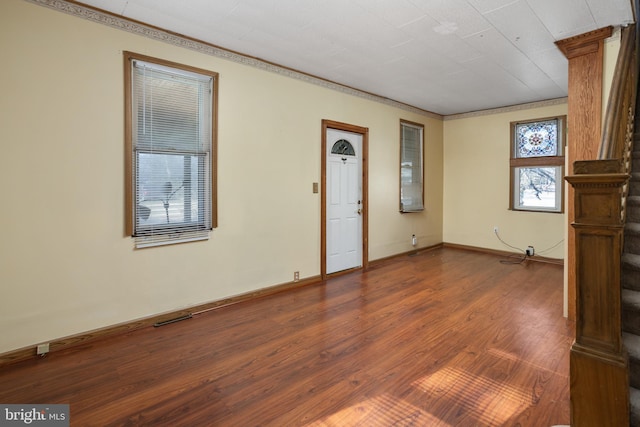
column 364, row 132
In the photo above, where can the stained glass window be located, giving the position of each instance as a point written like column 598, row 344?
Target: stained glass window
column 537, row 139
column 537, row 163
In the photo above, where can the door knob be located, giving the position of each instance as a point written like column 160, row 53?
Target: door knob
column 359, row 211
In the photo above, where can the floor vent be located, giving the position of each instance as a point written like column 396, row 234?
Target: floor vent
column 177, row 319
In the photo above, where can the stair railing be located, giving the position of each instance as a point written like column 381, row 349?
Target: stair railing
column 618, row 122
column 599, row 373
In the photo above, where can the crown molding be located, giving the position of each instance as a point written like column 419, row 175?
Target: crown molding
column 102, row 17
column 584, row 44
column 145, row 30
column 509, row 109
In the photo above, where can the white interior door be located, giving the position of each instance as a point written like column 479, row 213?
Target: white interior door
column 344, row 200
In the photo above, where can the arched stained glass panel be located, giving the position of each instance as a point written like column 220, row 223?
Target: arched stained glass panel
column 343, row 147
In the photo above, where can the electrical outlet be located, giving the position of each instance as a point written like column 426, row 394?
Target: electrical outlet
column 495, row 228
column 296, row 276
column 530, row 251
column 42, row 349
column 414, row 240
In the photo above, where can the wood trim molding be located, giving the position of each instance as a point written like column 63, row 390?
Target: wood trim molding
column 88, row 337
column 413, row 252
column 584, row 44
column 330, row 124
column 537, row 161
column 585, row 53
column 598, row 166
column 536, row 258
column 509, row 109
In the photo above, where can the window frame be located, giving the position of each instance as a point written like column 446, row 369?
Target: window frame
column 420, row 127
column 130, row 166
column 538, row 162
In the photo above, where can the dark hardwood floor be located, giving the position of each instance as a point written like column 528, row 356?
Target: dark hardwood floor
column 444, row 338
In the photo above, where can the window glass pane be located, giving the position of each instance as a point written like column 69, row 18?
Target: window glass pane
column 343, row 147
column 171, row 191
column 411, row 168
column 537, row 139
column 537, row 188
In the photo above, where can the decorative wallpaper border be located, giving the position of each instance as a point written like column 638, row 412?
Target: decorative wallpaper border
column 124, row 24
column 121, row 23
column 519, row 107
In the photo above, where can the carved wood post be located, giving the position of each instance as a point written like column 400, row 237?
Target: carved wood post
column 598, row 361
column 585, row 53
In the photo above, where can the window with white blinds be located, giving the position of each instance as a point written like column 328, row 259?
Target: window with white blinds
column 411, row 167
column 170, row 126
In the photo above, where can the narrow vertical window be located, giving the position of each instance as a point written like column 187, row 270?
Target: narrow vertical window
column 537, row 164
column 411, row 167
column 170, row 119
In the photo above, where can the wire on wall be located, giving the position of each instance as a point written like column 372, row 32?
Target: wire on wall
column 513, row 259
column 519, row 259
column 544, row 251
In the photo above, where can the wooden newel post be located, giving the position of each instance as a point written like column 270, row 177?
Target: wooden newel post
column 598, row 361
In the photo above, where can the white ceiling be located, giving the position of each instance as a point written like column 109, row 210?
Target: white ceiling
column 444, row 56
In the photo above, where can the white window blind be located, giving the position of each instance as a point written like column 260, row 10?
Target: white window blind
column 411, row 169
column 171, row 127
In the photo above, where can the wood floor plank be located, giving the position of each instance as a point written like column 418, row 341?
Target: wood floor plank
column 444, row 338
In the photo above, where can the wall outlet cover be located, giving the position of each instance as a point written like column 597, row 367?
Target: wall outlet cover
column 43, row 348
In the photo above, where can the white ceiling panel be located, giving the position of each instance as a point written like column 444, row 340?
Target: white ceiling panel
column 444, row 56
column 428, row 61
column 521, row 27
column 552, row 62
column 118, row 6
column 492, row 74
column 563, row 18
column 454, row 48
column 453, row 16
column 615, row 12
column 486, row 6
column 495, row 46
column 395, row 12
column 468, row 88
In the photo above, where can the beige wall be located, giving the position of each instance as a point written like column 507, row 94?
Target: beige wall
column 611, row 49
column 65, row 265
column 476, row 186
column 477, row 179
